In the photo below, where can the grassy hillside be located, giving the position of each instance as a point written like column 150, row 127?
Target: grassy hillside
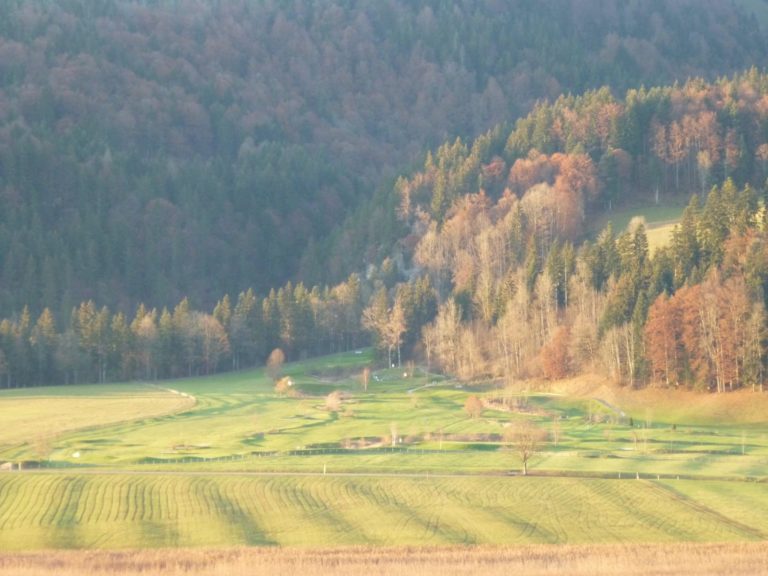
column 415, row 422
column 36, row 415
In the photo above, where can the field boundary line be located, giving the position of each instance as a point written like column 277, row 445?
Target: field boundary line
column 176, row 392
column 624, row 477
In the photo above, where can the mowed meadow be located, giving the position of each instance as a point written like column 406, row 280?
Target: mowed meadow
column 71, row 510
column 227, row 461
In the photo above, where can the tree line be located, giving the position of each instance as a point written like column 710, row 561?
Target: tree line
column 98, row 345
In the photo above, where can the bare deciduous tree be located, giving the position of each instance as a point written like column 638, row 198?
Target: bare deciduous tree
column 524, row 437
column 445, row 335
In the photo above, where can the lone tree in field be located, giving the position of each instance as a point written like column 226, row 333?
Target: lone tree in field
column 275, row 363
column 42, row 446
column 473, row 407
column 524, row 438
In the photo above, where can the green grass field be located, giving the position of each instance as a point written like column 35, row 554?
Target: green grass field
column 226, row 461
column 32, row 415
column 118, row 510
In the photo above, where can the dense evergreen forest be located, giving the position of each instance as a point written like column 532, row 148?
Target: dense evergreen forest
column 494, row 275
column 154, row 151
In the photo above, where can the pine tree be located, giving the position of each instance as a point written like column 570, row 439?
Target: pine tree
column 246, row 331
column 184, row 341
column 304, row 321
column 714, row 224
column 121, row 348
column 44, row 341
column 271, row 315
column 686, row 249
column 166, row 344
column 223, row 312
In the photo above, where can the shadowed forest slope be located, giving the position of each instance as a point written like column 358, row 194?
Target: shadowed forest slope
column 155, row 150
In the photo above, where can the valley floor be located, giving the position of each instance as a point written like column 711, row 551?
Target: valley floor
column 197, row 476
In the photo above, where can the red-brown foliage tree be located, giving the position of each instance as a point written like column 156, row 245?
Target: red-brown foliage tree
column 663, row 346
column 555, row 357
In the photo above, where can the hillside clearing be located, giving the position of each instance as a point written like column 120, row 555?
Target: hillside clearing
column 659, row 220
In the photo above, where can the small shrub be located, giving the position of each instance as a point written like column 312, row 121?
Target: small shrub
column 333, row 401
column 284, row 386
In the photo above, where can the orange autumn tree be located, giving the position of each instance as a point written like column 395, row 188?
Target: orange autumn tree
column 663, row 347
column 568, row 180
column 708, row 333
column 555, row 358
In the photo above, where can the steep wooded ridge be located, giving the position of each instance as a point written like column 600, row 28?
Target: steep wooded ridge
column 151, row 151
column 495, row 275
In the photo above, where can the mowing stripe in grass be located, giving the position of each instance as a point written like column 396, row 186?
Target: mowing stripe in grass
column 76, row 510
column 705, row 511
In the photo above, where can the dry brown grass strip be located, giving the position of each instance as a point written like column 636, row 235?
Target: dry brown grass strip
column 577, row 560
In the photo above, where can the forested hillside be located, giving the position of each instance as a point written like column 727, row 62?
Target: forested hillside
column 152, row 151
column 498, row 227
column 494, row 275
